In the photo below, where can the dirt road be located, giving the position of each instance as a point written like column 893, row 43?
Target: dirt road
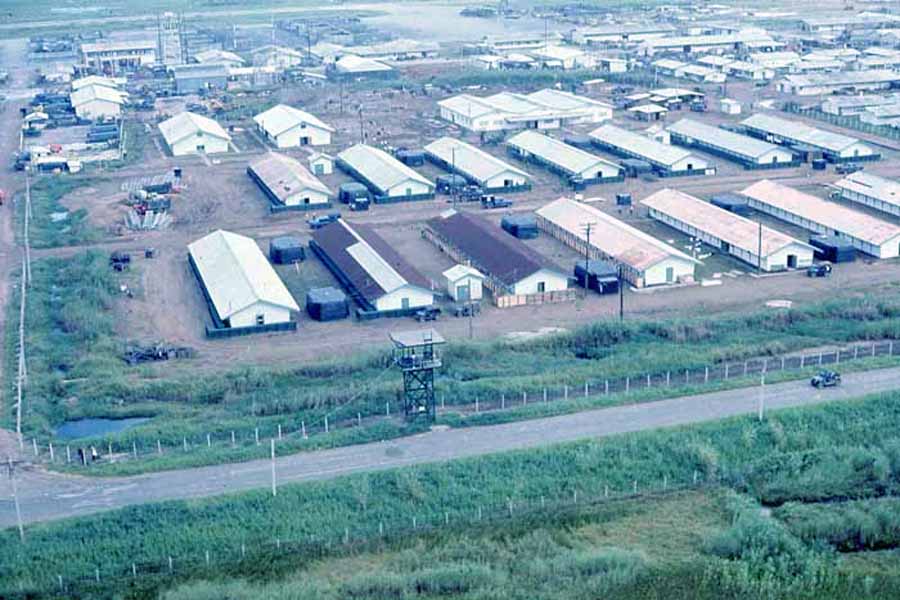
column 47, row 496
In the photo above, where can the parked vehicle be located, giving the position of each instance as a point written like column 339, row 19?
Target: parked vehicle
column 469, row 309
column 491, row 201
column 847, row 168
column 820, row 270
column 826, row 378
column 429, row 313
column 322, row 221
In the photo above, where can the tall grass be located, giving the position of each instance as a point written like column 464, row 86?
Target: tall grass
column 74, row 227
column 719, row 452
column 851, row 526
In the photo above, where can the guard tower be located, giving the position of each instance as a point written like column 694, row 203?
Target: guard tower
column 415, row 354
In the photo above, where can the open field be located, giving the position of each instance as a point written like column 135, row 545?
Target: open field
column 772, row 462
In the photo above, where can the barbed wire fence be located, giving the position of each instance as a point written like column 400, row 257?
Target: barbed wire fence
column 293, row 430
column 346, row 538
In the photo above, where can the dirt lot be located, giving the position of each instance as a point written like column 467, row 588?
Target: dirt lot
column 218, row 194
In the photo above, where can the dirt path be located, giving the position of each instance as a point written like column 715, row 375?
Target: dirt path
column 12, row 59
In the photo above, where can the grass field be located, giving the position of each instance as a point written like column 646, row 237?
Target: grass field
column 51, row 224
column 75, row 370
column 741, row 462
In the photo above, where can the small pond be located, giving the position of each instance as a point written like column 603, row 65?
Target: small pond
column 82, row 428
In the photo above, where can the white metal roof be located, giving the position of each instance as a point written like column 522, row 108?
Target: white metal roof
column 844, row 78
column 558, row 52
column 350, row 63
column 648, row 109
column 186, row 124
column 285, row 176
column 380, row 168
column 609, row 235
column 215, row 55
column 792, row 130
column 867, row 184
column 635, row 143
column 457, row 272
column 468, row 159
column 380, row 270
column 236, row 273
column 740, row 144
column 543, row 103
column 669, row 63
column 95, row 80
column 574, row 160
column 831, row 215
column 733, row 229
column 709, row 40
column 281, row 118
column 88, row 93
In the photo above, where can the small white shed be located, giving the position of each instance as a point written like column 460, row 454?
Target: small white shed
column 321, row 163
column 730, row 107
column 464, row 283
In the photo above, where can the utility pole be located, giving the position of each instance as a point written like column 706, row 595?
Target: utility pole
column 362, row 130
column 453, row 187
column 587, row 228
column 621, row 295
column 274, row 485
column 15, row 492
column 762, row 396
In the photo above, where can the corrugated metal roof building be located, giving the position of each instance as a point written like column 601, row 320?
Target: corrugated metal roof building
column 288, row 183
column 241, row 287
column 476, row 165
column 750, row 152
column 562, row 158
column 645, row 260
column 289, row 127
column 190, row 133
column 872, row 191
column 388, row 178
column 667, row 160
column 375, row 275
column 510, row 265
column 836, row 147
column 730, row 233
column 866, row 233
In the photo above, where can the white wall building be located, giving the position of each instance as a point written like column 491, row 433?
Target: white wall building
column 871, row 190
column 645, row 260
column 287, row 182
column 241, row 286
column 385, row 176
column 464, row 283
column 190, row 133
column 867, row 233
column 666, row 159
column 476, row 165
column 97, row 101
column 730, row 233
column 834, row 146
column 289, row 127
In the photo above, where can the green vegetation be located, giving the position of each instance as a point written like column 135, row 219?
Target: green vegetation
column 848, row 526
column 756, row 556
column 536, row 78
column 52, row 224
column 75, row 371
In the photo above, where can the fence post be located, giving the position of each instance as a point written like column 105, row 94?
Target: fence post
column 158, row 447
column 303, row 429
column 855, row 352
column 208, row 441
column 256, row 435
column 565, row 392
column 358, row 423
column 476, row 403
column 133, row 570
column 51, row 452
column 442, row 401
column 635, row 486
column 184, row 442
column 586, row 389
column 803, row 360
column 705, row 374
column 207, row 558
column 745, row 368
column 171, row 566
column 726, row 370
column 545, row 394
column 695, row 476
column 665, row 482
column 648, row 380
column 891, row 348
column 524, row 398
column 133, row 448
column 627, row 384
column 668, row 378
column 232, row 438
column 502, row 401
column 837, row 356
column 782, row 363
column 59, row 578
column 687, row 376
column 873, row 350
column 326, row 423
column 97, row 574
column 820, row 355
column 68, row 454
column 387, row 409
column 279, row 432
column 34, row 445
